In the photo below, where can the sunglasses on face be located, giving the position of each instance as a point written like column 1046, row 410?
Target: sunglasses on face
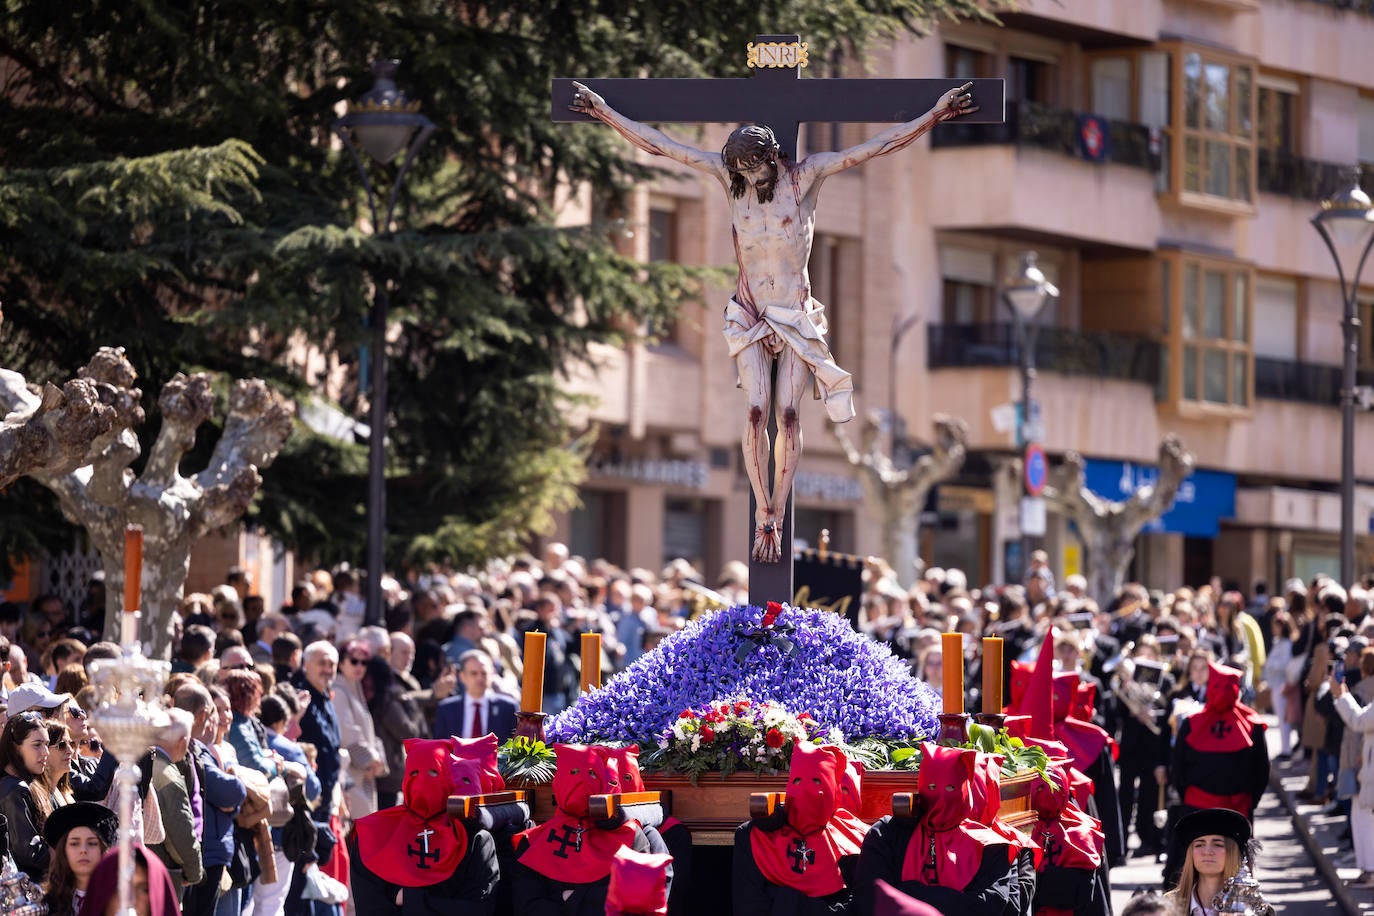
column 64, row 745
column 355, row 660
column 76, row 712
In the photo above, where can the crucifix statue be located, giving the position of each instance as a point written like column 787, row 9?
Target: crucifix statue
column 774, row 328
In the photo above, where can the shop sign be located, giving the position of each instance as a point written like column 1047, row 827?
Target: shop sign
column 1203, row 500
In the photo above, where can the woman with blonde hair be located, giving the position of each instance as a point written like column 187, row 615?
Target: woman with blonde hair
column 1211, row 843
column 53, row 789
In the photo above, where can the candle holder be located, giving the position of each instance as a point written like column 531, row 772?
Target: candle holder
column 530, row 725
column 993, row 720
column 953, row 729
column 129, row 718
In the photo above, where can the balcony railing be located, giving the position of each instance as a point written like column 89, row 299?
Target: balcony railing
column 1307, row 179
column 1310, row 383
column 1359, row 6
column 1032, row 124
column 1063, row 350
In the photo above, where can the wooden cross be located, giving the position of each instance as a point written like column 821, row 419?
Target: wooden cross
column 776, row 96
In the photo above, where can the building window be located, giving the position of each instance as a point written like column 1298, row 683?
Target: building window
column 1366, row 342
column 1366, row 141
column 1216, row 133
column 1027, row 80
column 1209, row 331
column 965, row 63
column 1276, row 120
column 663, row 247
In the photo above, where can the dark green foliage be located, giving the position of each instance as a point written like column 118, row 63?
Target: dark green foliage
column 167, row 183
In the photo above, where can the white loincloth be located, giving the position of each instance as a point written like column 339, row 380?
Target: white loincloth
column 803, row 331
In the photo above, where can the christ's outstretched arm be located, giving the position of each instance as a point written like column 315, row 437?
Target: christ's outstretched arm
column 647, row 138
column 952, row 104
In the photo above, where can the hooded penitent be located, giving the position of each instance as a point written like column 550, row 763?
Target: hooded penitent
column 1070, row 838
column 639, row 884
column 947, row 846
column 104, row 886
column 567, row 847
column 416, row 843
column 805, row 854
column 1225, row 724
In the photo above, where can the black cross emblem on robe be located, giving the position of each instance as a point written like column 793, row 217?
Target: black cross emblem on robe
column 572, row 836
column 1053, row 848
column 801, row 855
column 1221, row 728
column 424, row 853
column 779, row 98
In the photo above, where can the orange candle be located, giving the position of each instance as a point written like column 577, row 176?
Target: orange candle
column 992, row 674
column 532, row 693
column 133, row 568
column 952, row 657
column 591, row 662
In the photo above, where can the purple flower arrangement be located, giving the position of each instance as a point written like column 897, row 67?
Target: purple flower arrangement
column 806, row 661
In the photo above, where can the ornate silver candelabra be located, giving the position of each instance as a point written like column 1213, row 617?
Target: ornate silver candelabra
column 129, row 719
column 1241, row 894
column 19, row 896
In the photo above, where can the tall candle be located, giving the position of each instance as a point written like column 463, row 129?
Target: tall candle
column 952, row 657
column 591, row 661
column 133, row 568
column 532, row 694
column 992, row 674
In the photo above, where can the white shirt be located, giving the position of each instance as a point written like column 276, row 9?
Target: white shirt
column 470, row 705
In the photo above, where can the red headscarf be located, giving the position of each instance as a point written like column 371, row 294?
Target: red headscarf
column 416, row 843
column 104, row 886
column 567, row 847
column 1070, row 838
column 947, row 847
column 1224, row 724
column 805, row 854
column 639, row 884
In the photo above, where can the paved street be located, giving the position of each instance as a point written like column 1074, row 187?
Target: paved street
column 1288, row 875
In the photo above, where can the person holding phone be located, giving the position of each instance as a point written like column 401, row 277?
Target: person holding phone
column 1356, row 709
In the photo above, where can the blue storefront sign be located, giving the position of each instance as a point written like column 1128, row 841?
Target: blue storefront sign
column 1203, row 500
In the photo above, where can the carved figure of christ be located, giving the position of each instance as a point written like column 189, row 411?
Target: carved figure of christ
column 772, row 315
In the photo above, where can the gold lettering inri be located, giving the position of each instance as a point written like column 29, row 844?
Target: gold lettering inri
column 779, row 54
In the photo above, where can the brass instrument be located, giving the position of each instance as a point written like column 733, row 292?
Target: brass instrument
column 1139, row 698
column 701, row 599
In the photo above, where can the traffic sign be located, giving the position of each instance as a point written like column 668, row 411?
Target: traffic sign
column 1032, row 516
column 1036, row 469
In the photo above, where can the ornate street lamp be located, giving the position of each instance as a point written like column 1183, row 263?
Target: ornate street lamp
column 1346, row 224
column 1026, row 294
column 381, row 124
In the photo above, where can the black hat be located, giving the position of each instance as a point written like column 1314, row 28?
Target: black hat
column 99, row 818
column 1211, row 822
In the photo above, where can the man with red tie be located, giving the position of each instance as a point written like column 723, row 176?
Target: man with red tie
column 476, row 711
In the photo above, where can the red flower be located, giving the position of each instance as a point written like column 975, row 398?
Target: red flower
column 804, row 717
column 708, row 733
column 712, row 716
column 774, row 738
column 770, row 615
column 741, row 706
column 686, row 714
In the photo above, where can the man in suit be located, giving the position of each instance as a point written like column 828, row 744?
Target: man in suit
column 477, row 710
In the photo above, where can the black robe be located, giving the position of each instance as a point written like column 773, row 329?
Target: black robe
column 754, row 894
column 533, row 894
column 997, row 889
column 469, row 891
column 1106, row 807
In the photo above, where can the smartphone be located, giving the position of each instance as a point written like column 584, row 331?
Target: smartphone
column 1338, row 670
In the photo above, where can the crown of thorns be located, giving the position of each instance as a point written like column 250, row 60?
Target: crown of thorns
column 750, row 146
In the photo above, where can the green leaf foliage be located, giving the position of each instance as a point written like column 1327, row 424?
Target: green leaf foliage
column 168, row 183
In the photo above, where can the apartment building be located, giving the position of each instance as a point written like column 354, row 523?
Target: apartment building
column 1164, row 158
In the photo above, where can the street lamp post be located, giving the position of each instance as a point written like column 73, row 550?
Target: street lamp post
column 1346, row 224
column 1026, row 294
column 382, row 123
